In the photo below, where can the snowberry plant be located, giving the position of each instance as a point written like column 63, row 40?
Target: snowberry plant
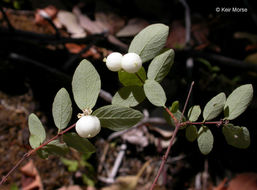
column 147, row 50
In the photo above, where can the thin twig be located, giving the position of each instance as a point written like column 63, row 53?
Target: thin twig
column 29, row 153
column 177, row 126
column 188, row 96
column 117, row 162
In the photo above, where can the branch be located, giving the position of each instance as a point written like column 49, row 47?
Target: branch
column 177, row 126
column 29, row 153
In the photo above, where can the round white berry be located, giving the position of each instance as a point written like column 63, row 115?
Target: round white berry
column 113, row 61
column 131, row 62
column 88, row 126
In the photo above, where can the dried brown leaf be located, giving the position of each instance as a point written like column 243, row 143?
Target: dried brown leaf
column 134, row 26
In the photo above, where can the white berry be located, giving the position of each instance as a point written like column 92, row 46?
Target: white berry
column 88, row 126
column 131, row 62
column 113, row 61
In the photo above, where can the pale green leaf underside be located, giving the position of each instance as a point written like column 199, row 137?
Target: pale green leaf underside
column 205, row 140
column 82, row 145
column 214, row 107
column 194, row 113
column 62, row 109
column 86, row 85
column 160, row 65
column 117, row 118
column 37, row 131
column 129, row 96
column 191, row 133
column 236, row 136
column 150, row 41
column 131, row 79
column 155, row 93
column 238, row 101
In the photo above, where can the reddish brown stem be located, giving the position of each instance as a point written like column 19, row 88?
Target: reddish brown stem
column 29, row 153
column 171, row 115
column 177, row 126
column 165, row 157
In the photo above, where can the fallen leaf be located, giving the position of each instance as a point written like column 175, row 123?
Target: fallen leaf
column 245, row 181
column 49, row 12
column 69, row 20
column 110, row 21
column 31, row 179
column 252, row 58
column 245, row 35
column 176, row 38
column 222, row 186
column 72, row 187
column 127, row 182
column 136, row 136
column 90, row 26
column 134, row 26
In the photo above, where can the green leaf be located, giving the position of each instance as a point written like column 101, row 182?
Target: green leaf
column 174, row 107
column 42, row 153
column 155, row 93
column 194, row 113
column 71, row 164
column 88, row 181
column 214, row 107
column 176, row 114
column 129, row 96
column 37, row 131
column 62, row 109
column 236, row 136
column 160, row 65
column 205, row 140
column 82, row 145
column 117, row 118
column 150, row 41
column 55, row 147
column 86, row 85
column 238, row 101
column 131, row 79
column 191, row 133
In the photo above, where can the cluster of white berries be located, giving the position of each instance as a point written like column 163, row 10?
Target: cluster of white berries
column 130, row 62
column 88, row 126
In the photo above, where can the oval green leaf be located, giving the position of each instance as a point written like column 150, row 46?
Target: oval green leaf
column 160, row 65
column 205, row 140
column 82, row 145
column 131, row 79
column 236, row 136
column 238, row 101
column 175, row 106
column 191, row 133
column 129, row 96
column 214, row 107
column 37, row 131
column 194, row 113
column 62, row 109
column 86, row 85
column 117, row 118
column 55, row 147
column 155, row 93
column 150, row 41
